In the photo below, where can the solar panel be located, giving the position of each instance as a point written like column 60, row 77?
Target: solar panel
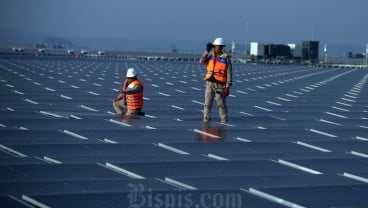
column 296, row 137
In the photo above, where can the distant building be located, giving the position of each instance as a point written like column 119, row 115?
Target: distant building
column 70, row 51
column 304, row 51
column 277, row 51
column 256, row 50
column 18, row 50
column 310, row 50
column 352, row 55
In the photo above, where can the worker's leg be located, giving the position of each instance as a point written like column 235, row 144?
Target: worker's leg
column 221, row 103
column 208, row 100
column 119, row 107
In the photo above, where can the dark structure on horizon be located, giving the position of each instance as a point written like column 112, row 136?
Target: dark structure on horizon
column 277, row 51
column 306, row 51
column 310, row 51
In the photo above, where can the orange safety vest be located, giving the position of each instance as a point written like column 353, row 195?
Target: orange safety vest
column 217, row 68
column 134, row 101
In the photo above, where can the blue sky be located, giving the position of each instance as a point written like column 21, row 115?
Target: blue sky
column 268, row 21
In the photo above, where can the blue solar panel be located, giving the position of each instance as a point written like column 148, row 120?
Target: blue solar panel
column 297, row 136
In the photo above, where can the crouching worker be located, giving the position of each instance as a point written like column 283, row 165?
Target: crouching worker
column 130, row 98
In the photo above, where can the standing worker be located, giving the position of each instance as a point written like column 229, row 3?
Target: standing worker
column 218, row 78
column 130, row 98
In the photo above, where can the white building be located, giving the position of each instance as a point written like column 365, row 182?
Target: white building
column 256, row 49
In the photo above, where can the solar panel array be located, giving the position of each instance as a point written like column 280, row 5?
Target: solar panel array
column 296, row 137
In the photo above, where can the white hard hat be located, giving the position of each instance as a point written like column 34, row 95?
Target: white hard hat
column 219, row 41
column 131, row 72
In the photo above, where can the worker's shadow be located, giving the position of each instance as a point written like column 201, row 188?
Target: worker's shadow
column 211, row 133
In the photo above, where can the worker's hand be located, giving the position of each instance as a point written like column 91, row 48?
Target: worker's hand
column 226, row 91
column 209, row 47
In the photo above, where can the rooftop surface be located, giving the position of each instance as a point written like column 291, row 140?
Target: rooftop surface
column 297, row 136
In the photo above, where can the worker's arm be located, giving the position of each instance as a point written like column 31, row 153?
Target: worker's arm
column 204, row 58
column 135, row 89
column 119, row 97
column 229, row 70
column 121, row 94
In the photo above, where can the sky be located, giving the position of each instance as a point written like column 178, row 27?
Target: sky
column 113, row 23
